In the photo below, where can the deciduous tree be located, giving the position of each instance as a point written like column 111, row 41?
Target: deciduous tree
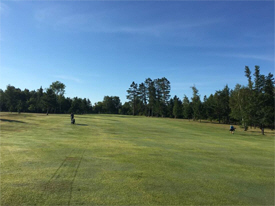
column 59, row 90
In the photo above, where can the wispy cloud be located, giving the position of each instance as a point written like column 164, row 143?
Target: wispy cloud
column 267, row 57
column 101, row 22
column 70, row 78
column 4, row 9
column 260, row 57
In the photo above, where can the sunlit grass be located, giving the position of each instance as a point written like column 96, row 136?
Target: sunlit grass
column 125, row 160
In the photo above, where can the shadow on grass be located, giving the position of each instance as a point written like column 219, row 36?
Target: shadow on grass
column 260, row 132
column 209, row 122
column 81, row 124
column 9, row 120
column 79, row 116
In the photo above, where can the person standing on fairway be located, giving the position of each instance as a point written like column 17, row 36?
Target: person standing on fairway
column 232, row 129
column 72, row 118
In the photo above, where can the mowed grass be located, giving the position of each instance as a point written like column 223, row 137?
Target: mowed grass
column 126, row 160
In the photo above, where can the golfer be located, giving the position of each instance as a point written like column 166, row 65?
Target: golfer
column 232, row 129
column 72, row 118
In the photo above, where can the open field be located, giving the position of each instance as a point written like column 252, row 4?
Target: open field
column 125, row 160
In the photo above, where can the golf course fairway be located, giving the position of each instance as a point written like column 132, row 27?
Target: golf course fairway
column 131, row 160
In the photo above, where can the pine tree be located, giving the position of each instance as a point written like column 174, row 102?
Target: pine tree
column 187, row 108
column 151, row 96
column 177, row 109
column 133, row 96
column 142, row 98
column 196, row 104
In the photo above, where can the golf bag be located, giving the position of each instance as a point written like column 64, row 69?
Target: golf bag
column 72, row 121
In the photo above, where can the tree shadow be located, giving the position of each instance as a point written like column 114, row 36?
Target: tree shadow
column 9, row 120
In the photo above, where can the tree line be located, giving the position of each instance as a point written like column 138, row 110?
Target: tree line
column 251, row 105
column 49, row 100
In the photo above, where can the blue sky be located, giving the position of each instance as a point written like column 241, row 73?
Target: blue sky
column 98, row 48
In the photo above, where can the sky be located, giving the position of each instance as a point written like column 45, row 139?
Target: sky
column 98, row 48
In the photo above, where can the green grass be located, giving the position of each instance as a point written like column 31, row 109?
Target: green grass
column 125, row 160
